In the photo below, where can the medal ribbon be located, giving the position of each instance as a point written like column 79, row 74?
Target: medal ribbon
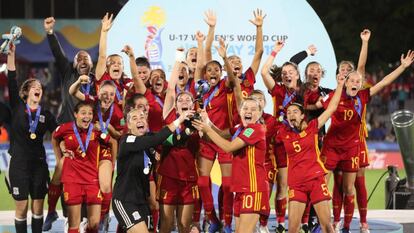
column 78, row 138
column 104, row 128
column 211, row 96
column 237, row 133
column 33, row 123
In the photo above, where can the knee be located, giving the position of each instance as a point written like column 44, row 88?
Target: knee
column 348, row 189
column 105, row 187
column 93, row 222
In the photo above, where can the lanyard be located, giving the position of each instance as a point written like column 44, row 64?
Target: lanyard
column 86, row 88
column 147, row 163
column 88, row 137
column 104, row 128
column 186, row 88
column 358, row 105
column 237, row 133
column 211, row 96
column 159, row 101
column 33, row 123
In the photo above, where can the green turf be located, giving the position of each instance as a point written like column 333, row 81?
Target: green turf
column 376, row 202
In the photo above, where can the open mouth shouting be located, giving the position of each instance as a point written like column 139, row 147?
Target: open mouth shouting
column 141, row 127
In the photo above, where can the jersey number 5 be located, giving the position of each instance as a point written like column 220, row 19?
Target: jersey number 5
column 296, row 146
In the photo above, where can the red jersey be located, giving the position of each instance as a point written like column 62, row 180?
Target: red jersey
column 347, row 125
column 156, row 103
column 272, row 125
column 281, row 97
column 80, row 169
column 247, row 82
column 248, row 171
column 180, row 162
column 218, row 108
column 117, row 119
column 303, row 153
column 122, row 86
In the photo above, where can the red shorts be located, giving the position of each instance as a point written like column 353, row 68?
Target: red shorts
column 209, row 150
column 76, row 194
column 314, row 190
column 176, row 192
column 281, row 156
column 363, row 155
column 251, row 203
column 271, row 172
column 345, row 159
column 105, row 153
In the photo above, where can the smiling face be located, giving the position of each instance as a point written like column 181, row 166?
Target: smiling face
column 157, row 78
column 191, row 58
column 184, row 102
column 35, row 92
column 345, row 68
column 353, row 83
column 107, row 95
column 183, row 76
column 290, row 75
column 137, row 122
column 314, row 74
column 213, row 73
column 141, row 104
column 83, row 63
column 143, row 73
column 250, row 112
column 84, row 116
column 295, row 116
column 115, row 66
column 236, row 66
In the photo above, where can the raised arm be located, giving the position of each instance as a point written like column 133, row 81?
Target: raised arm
column 258, row 22
column 101, row 65
column 222, row 51
column 224, row 144
column 387, row 80
column 170, row 95
column 267, row 78
column 210, row 20
column 362, row 61
column 11, row 76
column 139, row 85
column 299, row 57
column 74, row 89
column 333, row 104
column 61, row 60
column 200, row 57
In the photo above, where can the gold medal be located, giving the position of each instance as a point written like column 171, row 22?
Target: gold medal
column 33, row 136
column 280, row 118
column 178, row 137
column 103, row 135
column 83, row 154
column 146, row 171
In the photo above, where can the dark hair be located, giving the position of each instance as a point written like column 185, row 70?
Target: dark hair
column 184, row 93
column 161, row 71
column 300, row 106
column 130, row 102
column 276, row 73
column 81, row 104
column 25, row 87
column 313, row 63
column 142, row 61
column 213, row 62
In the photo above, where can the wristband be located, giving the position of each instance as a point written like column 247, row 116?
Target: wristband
column 273, row 53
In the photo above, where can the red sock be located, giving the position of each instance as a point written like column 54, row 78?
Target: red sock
column 361, row 193
column 106, row 203
column 349, row 206
column 207, row 198
column 227, row 200
column 53, row 196
column 91, row 230
column 263, row 220
column 155, row 216
column 305, row 216
column 220, row 203
column 337, row 197
column 197, row 210
column 281, row 210
column 75, row 230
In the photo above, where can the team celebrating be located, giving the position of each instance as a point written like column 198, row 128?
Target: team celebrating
column 160, row 137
